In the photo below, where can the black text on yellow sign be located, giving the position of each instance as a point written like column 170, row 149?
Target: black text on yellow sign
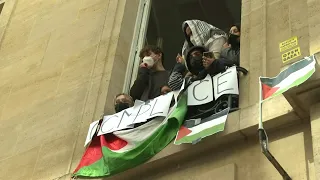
column 288, row 44
column 290, row 55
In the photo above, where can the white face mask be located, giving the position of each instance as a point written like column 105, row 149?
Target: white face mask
column 148, row 61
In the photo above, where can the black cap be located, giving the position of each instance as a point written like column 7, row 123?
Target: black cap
column 188, row 57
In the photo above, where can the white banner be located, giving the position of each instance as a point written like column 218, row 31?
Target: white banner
column 226, row 83
column 92, row 130
column 141, row 112
column 200, row 92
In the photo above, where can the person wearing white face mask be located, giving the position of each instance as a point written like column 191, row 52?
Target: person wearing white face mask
column 152, row 76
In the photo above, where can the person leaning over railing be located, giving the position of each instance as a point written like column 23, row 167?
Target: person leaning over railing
column 152, row 76
column 199, row 66
column 231, row 49
column 197, row 34
column 122, row 101
column 230, row 54
column 193, row 65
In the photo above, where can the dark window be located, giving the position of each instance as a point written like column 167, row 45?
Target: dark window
column 166, row 19
column 1, row 7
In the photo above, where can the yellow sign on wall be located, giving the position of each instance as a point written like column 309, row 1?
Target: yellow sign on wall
column 288, row 44
column 288, row 56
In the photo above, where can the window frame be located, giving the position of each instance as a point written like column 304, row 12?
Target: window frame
column 138, row 41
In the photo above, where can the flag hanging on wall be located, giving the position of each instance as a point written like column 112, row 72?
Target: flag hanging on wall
column 195, row 129
column 119, row 151
column 294, row 75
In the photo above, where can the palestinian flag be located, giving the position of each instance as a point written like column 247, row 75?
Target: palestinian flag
column 114, row 153
column 294, row 75
column 194, row 130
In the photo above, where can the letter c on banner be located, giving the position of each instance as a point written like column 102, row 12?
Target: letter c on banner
column 103, row 131
column 194, row 94
column 93, row 130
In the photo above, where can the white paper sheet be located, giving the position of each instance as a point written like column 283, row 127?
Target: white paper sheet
column 226, row 83
column 200, row 92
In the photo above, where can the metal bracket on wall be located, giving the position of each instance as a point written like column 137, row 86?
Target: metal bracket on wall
column 264, row 146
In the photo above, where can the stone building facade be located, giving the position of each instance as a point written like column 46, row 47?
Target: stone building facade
column 62, row 62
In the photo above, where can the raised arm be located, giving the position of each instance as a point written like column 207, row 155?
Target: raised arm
column 140, row 83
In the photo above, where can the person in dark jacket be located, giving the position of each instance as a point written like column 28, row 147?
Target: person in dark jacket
column 230, row 54
column 152, row 76
column 193, row 64
column 231, row 50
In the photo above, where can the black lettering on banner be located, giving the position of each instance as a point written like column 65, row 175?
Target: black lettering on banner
column 218, row 92
column 194, row 94
column 91, row 133
column 103, row 123
column 124, row 112
column 138, row 114
column 151, row 114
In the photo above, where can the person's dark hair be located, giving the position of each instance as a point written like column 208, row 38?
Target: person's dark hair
column 188, row 57
column 124, row 94
column 146, row 51
column 238, row 25
column 186, row 36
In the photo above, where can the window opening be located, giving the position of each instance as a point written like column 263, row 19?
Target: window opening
column 1, row 6
column 167, row 16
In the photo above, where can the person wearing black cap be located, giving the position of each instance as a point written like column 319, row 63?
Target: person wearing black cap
column 193, row 64
column 198, row 66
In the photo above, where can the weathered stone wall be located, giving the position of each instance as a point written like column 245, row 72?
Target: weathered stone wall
column 60, row 62
column 239, row 160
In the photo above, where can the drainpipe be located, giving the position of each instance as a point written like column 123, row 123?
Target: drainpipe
column 264, row 146
column 263, row 138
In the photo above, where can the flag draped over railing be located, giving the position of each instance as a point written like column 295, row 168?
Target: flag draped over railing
column 116, row 152
column 117, row 144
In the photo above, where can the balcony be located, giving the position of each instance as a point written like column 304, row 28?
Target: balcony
column 283, row 111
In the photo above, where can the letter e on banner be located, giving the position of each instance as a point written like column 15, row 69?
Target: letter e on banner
column 226, row 83
column 200, row 92
column 92, row 130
